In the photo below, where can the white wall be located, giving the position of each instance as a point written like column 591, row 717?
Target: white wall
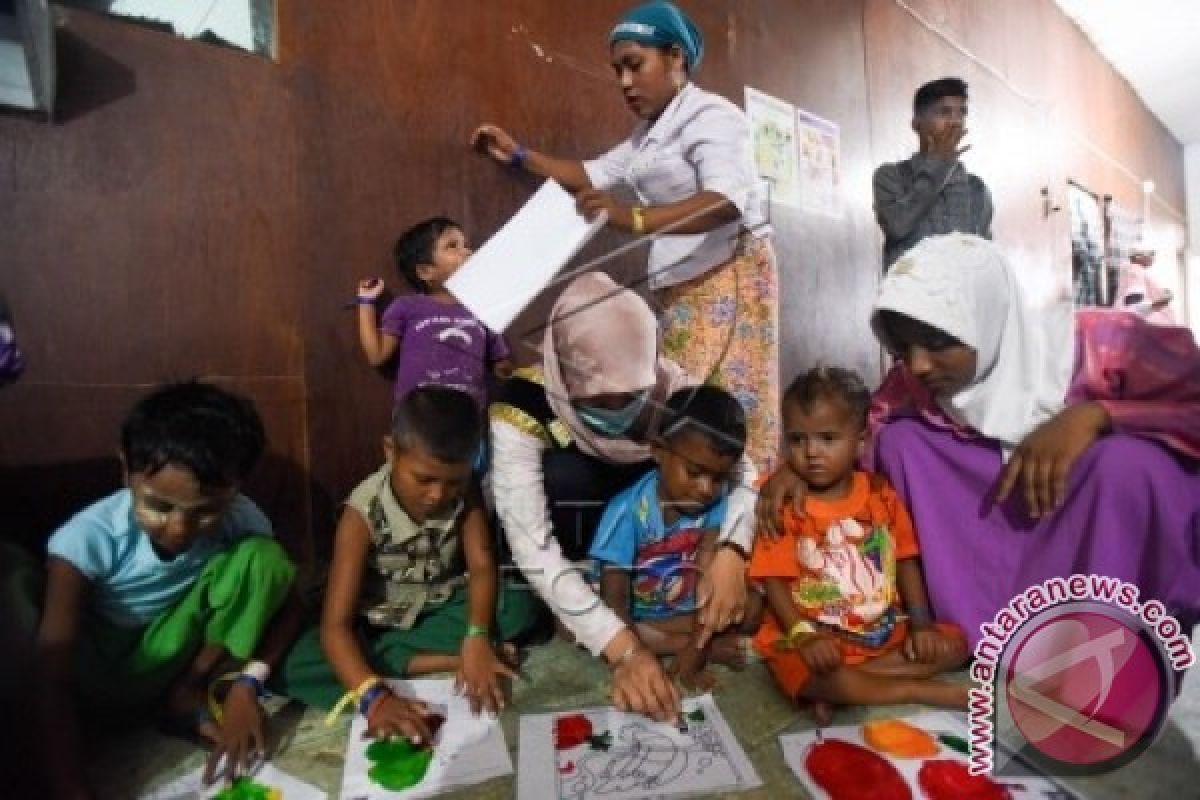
column 1191, row 159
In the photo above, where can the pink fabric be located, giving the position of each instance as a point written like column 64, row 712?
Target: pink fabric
column 1146, row 376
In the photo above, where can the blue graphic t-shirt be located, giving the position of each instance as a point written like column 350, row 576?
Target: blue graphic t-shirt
column 633, row 535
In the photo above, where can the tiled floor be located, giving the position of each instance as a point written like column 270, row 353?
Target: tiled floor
column 560, row 676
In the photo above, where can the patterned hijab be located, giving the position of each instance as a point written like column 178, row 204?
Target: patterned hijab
column 963, row 285
column 603, row 339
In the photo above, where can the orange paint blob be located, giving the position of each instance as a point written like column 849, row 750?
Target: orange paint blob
column 899, row 739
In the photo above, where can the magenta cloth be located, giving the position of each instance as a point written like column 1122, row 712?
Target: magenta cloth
column 1132, row 512
column 1133, row 504
column 442, row 344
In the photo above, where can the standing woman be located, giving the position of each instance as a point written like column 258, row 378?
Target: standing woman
column 689, row 163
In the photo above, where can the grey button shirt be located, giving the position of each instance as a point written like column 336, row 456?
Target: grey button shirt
column 924, row 196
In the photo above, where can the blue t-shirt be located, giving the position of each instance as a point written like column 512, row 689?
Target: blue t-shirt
column 131, row 585
column 633, row 535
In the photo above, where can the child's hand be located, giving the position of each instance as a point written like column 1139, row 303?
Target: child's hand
column 370, row 289
column 928, row 645
column 392, row 715
column 822, row 654
column 479, row 673
column 241, row 736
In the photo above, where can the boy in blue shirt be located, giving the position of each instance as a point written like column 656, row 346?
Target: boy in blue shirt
column 149, row 590
column 657, row 536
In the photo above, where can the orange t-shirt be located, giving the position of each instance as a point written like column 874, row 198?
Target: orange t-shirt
column 840, row 559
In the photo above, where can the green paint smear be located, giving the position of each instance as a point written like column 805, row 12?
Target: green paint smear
column 603, row 742
column 244, row 789
column 398, row 764
column 954, row 743
column 696, row 716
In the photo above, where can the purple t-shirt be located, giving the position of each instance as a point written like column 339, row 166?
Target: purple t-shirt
column 441, row 344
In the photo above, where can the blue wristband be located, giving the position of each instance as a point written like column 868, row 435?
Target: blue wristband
column 370, row 696
column 518, row 157
column 260, row 691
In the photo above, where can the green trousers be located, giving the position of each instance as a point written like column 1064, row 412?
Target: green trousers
column 121, row 669
column 306, row 674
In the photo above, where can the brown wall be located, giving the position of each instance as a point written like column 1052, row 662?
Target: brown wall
column 196, row 211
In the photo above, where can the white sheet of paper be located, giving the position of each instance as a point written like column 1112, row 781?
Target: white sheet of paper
column 519, row 261
column 469, row 749
column 645, row 759
column 191, row 786
column 1023, row 783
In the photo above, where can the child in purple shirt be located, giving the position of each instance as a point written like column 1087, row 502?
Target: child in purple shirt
column 440, row 342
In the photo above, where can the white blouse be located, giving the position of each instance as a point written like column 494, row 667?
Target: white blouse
column 700, row 142
column 520, row 499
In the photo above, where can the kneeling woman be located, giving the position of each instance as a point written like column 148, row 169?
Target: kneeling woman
column 565, row 440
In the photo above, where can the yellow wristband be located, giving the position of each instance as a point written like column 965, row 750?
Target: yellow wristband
column 639, row 220
column 800, row 628
column 352, row 696
column 214, row 706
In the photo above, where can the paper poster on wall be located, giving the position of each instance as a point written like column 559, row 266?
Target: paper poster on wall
column 819, row 148
column 773, row 124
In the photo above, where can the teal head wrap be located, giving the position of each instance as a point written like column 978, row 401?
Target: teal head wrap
column 661, row 24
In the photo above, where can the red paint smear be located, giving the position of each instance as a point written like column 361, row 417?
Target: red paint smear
column 567, row 769
column 571, row 731
column 943, row 779
column 848, row 771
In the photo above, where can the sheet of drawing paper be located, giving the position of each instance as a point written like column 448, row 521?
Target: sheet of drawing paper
column 605, row 753
column 191, row 787
column 469, row 749
column 1023, row 783
column 504, row 276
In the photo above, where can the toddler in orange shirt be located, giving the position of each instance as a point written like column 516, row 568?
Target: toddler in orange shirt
column 848, row 619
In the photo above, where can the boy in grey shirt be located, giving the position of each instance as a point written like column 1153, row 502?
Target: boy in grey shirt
column 932, row 192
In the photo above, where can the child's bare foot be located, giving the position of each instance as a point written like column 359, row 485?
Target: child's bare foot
column 822, row 713
column 730, row 650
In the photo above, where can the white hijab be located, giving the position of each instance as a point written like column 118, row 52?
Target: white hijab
column 965, row 286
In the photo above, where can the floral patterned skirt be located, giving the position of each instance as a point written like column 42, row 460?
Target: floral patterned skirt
column 723, row 327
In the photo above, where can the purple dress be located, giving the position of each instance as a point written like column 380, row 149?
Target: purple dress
column 1132, row 509
column 442, row 344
